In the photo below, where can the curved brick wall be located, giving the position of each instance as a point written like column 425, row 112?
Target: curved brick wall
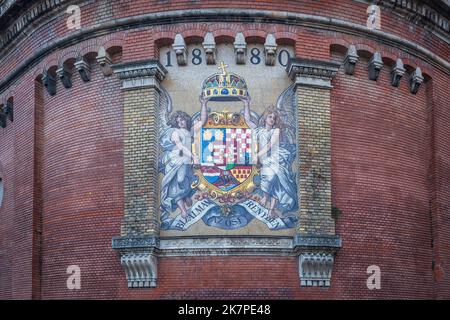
column 61, row 161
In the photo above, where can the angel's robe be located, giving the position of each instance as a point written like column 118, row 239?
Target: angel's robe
column 277, row 179
column 178, row 173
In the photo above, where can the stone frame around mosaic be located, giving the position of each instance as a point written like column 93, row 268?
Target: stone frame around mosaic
column 315, row 242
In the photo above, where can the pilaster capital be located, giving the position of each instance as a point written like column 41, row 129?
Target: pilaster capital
column 140, row 74
column 312, row 73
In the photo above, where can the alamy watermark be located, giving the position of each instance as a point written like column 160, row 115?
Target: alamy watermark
column 74, row 280
column 74, row 20
column 374, row 18
column 374, row 280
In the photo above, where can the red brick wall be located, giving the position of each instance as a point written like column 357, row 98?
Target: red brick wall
column 16, row 212
column 441, row 179
column 82, row 175
column 380, row 155
column 62, row 165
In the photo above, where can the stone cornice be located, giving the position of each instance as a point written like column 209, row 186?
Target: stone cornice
column 332, row 242
column 312, row 72
column 417, row 11
column 241, row 15
column 26, row 19
column 207, row 245
column 138, row 74
column 124, row 243
column 5, row 5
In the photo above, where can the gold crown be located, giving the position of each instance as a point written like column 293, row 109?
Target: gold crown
column 224, row 86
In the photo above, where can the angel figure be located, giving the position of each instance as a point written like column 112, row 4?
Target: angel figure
column 177, row 158
column 275, row 157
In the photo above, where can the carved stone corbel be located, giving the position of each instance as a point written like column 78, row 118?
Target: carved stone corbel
column 179, row 46
column 140, row 269
column 316, row 259
column 397, row 73
column 9, row 109
column 270, row 49
column 209, row 45
column 49, row 82
column 2, row 116
column 84, row 69
column 139, row 260
column 240, row 48
column 65, row 75
column 105, row 62
column 375, row 65
column 415, row 81
column 315, row 269
column 350, row 60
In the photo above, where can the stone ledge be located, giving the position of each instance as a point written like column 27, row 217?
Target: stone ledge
column 145, row 242
column 329, row 242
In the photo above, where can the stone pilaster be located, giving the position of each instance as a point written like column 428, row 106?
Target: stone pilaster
column 316, row 227
column 140, row 225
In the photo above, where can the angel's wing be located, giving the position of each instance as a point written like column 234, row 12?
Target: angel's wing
column 164, row 110
column 286, row 106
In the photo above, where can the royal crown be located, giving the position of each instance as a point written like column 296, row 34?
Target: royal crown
column 224, row 86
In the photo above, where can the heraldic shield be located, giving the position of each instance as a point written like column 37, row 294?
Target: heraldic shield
column 227, row 152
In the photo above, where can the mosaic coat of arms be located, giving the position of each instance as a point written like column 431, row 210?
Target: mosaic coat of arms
column 226, row 168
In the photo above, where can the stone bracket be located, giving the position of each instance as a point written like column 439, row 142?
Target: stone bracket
column 141, row 269
column 315, row 269
column 105, row 62
column 375, row 65
column 240, row 48
column 179, row 46
column 312, row 73
column 84, row 69
column 138, row 259
column 316, row 258
column 350, row 60
column 397, row 73
column 6, row 112
column 415, row 81
column 270, row 49
column 49, row 82
column 140, row 74
column 65, row 75
column 209, row 45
